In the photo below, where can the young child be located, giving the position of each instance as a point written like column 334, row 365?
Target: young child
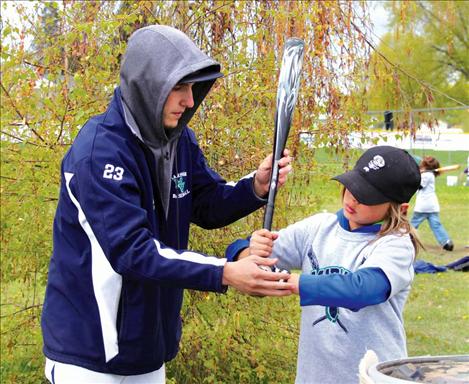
column 426, row 203
column 357, row 268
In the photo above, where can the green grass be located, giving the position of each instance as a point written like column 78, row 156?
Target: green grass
column 437, row 315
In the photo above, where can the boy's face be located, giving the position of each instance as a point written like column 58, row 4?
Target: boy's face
column 178, row 100
column 359, row 214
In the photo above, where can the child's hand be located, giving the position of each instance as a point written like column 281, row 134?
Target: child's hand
column 261, row 243
column 295, row 282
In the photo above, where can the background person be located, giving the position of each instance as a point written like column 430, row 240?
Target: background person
column 132, row 182
column 427, row 206
column 466, row 171
column 357, row 268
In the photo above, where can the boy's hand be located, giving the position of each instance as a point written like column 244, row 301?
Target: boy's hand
column 261, row 243
column 262, row 177
column 246, row 276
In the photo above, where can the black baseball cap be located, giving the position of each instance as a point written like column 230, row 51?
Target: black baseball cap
column 382, row 174
column 204, row 74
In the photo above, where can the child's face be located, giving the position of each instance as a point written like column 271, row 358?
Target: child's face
column 359, row 214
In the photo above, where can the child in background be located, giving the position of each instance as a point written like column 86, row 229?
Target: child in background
column 466, row 171
column 357, row 268
column 426, row 203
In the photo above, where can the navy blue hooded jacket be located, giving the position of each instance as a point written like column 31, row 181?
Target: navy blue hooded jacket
column 119, row 264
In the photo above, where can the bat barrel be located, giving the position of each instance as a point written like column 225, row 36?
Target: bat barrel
column 287, row 92
column 448, row 168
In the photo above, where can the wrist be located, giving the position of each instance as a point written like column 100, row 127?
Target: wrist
column 258, row 189
column 226, row 273
column 295, row 280
column 242, row 254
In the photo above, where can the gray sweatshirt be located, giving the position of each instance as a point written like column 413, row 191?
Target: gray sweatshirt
column 326, row 352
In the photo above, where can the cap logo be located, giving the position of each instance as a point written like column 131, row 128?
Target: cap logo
column 375, row 164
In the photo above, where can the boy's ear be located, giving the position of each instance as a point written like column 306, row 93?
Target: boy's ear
column 404, row 208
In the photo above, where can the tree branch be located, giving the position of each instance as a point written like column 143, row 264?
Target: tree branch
column 453, row 62
column 62, row 120
column 21, row 310
column 423, row 84
column 18, row 112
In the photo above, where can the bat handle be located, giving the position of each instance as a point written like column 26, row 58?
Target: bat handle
column 269, row 209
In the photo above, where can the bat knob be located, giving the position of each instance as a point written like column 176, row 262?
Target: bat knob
column 265, row 268
column 275, row 269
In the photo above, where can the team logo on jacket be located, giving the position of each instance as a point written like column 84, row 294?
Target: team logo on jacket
column 331, row 313
column 179, row 181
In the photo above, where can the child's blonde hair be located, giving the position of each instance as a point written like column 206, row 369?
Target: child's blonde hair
column 396, row 221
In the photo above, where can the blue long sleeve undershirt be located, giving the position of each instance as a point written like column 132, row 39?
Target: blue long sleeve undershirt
column 233, row 250
column 356, row 290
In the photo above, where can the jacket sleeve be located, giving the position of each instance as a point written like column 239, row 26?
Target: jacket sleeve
column 356, row 290
column 217, row 203
column 105, row 187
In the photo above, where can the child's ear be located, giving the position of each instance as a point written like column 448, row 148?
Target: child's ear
column 404, row 208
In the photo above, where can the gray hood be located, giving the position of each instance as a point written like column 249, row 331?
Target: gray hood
column 156, row 59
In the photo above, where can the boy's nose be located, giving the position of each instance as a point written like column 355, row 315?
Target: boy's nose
column 189, row 99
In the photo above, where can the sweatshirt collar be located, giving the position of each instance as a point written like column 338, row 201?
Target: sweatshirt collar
column 130, row 121
column 344, row 223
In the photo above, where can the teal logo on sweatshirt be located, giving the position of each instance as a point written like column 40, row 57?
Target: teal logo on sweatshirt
column 179, row 181
column 332, row 313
